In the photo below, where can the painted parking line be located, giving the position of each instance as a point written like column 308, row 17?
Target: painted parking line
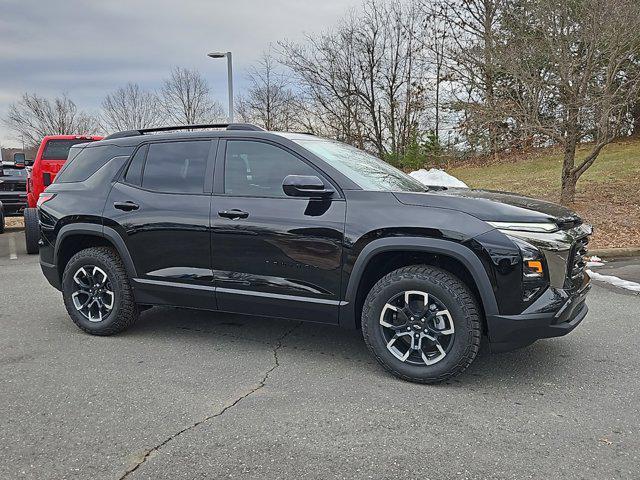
column 13, row 252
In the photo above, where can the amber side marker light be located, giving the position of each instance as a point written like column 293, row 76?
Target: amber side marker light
column 535, row 265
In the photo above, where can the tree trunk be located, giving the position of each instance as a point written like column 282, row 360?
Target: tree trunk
column 569, row 178
column 635, row 123
column 568, row 191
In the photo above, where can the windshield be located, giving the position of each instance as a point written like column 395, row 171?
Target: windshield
column 59, row 149
column 365, row 170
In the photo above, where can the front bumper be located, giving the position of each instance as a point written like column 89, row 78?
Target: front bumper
column 50, row 272
column 14, row 202
column 554, row 314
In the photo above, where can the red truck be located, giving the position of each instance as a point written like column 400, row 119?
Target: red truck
column 49, row 160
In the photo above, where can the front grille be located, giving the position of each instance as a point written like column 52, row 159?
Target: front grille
column 8, row 187
column 577, row 263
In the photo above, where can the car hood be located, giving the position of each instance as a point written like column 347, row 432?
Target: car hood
column 492, row 206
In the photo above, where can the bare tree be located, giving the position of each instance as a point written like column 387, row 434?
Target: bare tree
column 473, row 28
column 269, row 100
column 363, row 78
column 186, row 98
column 438, row 44
column 634, row 115
column 580, row 60
column 130, row 108
column 32, row 117
column 324, row 67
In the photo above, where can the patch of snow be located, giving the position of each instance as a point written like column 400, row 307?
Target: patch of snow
column 615, row 281
column 595, row 261
column 437, row 177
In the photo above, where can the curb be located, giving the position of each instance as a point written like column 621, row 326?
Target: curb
column 623, row 252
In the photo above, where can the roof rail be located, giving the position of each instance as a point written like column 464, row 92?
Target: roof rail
column 143, row 131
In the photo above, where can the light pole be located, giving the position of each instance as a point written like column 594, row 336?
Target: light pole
column 229, row 78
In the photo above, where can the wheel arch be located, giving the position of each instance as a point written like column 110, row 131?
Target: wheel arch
column 75, row 237
column 455, row 256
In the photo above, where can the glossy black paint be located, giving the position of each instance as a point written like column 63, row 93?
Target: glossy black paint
column 287, row 246
column 76, row 204
column 292, row 257
column 167, row 235
column 489, row 205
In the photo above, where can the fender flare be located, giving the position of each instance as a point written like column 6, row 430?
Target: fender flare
column 428, row 245
column 107, row 233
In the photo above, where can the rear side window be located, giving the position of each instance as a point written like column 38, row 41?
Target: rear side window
column 59, row 149
column 176, row 167
column 134, row 171
column 87, row 162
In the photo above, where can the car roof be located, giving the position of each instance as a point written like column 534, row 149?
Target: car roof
column 72, row 137
column 134, row 138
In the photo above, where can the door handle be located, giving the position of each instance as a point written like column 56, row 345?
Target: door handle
column 233, row 214
column 126, row 206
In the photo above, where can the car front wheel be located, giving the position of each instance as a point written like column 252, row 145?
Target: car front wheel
column 422, row 324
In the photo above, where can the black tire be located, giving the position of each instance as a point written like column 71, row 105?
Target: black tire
column 124, row 311
column 31, row 230
column 447, row 289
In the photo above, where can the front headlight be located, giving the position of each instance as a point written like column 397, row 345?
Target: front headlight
column 532, row 259
column 534, row 269
column 536, row 227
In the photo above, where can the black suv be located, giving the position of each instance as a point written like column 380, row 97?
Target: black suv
column 299, row 227
column 13, row 188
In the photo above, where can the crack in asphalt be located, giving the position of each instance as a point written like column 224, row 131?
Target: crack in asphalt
column 222, row 334
column 149, row 452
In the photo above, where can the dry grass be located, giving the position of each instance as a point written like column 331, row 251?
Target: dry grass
column 608, row 194
column 14, row 222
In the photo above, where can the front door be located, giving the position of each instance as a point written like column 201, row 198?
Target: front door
column 272, row 254
column 162, row 211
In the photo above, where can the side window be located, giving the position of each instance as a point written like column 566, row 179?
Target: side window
column 134, row 171
column 176, row 167
column 88, row 161
column 257, row 169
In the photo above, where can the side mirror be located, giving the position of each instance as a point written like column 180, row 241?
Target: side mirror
column 308, row 186
column 19, row 160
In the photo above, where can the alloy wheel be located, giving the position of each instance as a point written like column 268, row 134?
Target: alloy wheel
column 93, row 294
column 417, row 328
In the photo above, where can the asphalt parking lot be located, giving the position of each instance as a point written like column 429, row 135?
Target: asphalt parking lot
column 187, row 394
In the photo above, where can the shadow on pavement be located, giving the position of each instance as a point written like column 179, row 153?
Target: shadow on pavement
column 546, row 361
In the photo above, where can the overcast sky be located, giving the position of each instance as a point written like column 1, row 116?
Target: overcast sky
column 88, row 48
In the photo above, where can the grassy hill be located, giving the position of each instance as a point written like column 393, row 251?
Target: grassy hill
column 608, row 194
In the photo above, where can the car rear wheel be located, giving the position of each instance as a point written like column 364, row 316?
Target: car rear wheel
column 422, row 324
column 97, row 292
column 31, row 230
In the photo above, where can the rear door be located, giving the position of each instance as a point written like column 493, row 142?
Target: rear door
column 272, row 254
column 161, row 208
